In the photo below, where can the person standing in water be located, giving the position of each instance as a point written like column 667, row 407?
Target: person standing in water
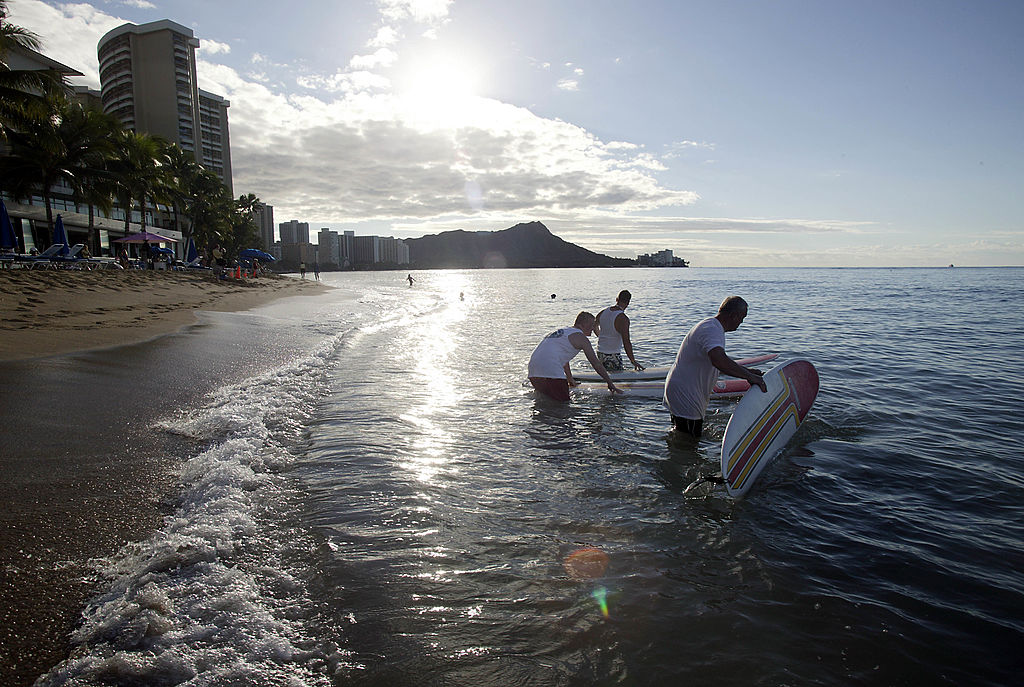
column 612, row 330
column 701, row 357
column 549, row 365
column 411, row 280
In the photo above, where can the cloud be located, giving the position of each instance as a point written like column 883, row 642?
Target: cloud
column 420, row 11
column 679, row 148
column 141, row 4
column 386, row 36
column 568, row 85
column 211, row 47
column 382, row 57
column 55, row 25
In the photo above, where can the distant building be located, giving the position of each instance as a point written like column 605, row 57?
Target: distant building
column 29, row 219
column 148, row 78
column 374, row 250
column 662, row 258
column 294, row 231
column 263, row 214
column 336, row 249
column 292, row 254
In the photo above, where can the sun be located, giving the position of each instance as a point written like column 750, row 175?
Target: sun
column 439, row 86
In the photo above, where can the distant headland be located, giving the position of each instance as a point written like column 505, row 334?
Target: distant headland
column 529, row 244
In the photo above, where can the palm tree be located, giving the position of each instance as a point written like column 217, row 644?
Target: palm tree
column 136, row 168
column 23, row 92
column 89, row 139
column 45, row 152
column 210, row 207
column 182, row 172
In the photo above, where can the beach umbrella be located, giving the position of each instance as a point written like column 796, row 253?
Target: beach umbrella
column 7, row 237
column 164, row 251
column 144, row 236
column 61, row 236
column 191, row 254
column 256, row 253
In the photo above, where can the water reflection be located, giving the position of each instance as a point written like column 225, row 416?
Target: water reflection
column 435, row 338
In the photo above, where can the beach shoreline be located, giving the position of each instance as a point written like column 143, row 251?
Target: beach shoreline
column 87, row 361
column 52, row 312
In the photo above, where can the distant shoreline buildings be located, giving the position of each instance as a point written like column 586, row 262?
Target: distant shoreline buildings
column 335, row 250
column 663, row 258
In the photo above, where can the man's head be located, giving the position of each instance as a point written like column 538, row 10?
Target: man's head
column 731, row 313
column 623, row 298
column 585, row 323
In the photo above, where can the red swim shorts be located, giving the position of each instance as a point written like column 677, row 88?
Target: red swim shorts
column 557, row 389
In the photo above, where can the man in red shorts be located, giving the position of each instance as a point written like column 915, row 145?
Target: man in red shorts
column 549, row 365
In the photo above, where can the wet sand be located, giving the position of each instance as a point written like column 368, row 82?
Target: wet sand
column 46, row 312
column 85, row 469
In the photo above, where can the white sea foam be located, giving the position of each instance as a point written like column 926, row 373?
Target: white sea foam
column 212, row 597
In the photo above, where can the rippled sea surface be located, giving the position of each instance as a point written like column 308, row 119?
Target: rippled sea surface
column 393, row 507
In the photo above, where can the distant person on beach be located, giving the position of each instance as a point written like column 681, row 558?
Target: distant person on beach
column 255, row 267
column 147, row 255
column 218, row 258
column 302, row 270
column 549, row 365
column 123, row 258
column 701, row 357
column 612, row 329
column 411, row 280
column 316, row 270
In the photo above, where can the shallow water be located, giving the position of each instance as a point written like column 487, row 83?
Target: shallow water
column 387, row 505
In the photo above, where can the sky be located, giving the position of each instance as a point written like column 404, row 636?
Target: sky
column 734, row 133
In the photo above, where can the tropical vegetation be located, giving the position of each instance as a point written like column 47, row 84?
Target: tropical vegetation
column 49, row 140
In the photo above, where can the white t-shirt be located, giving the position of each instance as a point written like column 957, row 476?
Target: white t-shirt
column 552, row 353
column 609, row 340
column 692, row 378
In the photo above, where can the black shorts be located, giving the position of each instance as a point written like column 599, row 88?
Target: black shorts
column 688, row 426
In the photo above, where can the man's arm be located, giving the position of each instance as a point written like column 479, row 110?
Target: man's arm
column 583, row 343
column 728, row 366
column 622, row 327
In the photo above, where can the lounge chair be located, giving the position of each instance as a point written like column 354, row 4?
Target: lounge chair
column 69, row 260
column 42, row 258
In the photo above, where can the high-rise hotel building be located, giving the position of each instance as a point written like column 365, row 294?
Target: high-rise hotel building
column 148, row 79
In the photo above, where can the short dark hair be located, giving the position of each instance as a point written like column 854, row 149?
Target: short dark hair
column 584, row 316
column 733, row 305
column 624, row 296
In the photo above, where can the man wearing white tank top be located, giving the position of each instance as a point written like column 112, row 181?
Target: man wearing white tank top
column 612, row 330
column 549, row 365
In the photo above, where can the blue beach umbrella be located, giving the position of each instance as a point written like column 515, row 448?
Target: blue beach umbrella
column 190, row 252
column 256, row 253
column 7, row 237
column 61, row 236
column 162, row 250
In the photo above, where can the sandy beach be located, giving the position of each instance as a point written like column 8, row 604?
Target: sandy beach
column 47, row 312
column 84, row 470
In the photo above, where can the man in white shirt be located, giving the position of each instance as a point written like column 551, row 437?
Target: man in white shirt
column 549, row 365
column 701, row 357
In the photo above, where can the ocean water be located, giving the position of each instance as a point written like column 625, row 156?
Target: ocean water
column 386, row 504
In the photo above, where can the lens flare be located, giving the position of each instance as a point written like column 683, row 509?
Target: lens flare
column 601, row 597
column 587, row 563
